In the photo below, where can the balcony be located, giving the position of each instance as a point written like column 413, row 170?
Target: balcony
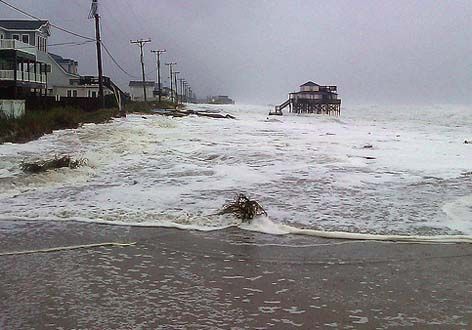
column 17, row 45
column 23, row 76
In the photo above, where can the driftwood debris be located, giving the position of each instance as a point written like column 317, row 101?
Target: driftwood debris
column 364, row 157
column 57, row 162
column 243, row 208
column 214, row 115
column 185, row 113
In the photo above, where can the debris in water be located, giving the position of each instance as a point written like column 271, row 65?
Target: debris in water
column 365, row 157
column 45, row 165
column 184, row 113
column 243, row 208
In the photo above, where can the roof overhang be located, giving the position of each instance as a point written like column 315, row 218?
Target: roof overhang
column 12, row 53
column 45, row 27
column 309, row 83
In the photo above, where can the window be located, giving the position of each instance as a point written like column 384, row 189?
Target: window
column 74, row 93
column 41, row 43
column 69, row 93
column 1, row 36
column 94, row 94
column 15, row 36
column 25, row 38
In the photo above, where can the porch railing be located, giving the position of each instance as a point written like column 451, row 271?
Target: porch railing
column 18, row 45
column 7, row 75
column 22, row 76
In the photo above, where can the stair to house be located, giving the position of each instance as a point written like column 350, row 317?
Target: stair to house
column 279, row 108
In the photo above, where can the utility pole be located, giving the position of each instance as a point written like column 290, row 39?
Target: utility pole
column 185, row 92
column 158, row 53
column 176, row 87
column 170, row 77
column 141, row 43
column 94, row 14
column 181, row 80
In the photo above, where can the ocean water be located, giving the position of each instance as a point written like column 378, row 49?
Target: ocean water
column 374, row 170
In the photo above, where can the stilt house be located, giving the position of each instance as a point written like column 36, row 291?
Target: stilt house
column 312, row 98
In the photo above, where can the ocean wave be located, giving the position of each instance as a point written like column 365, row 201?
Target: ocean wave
column 309, row 172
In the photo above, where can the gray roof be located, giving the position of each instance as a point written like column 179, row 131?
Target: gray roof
column 134, row 83
column 60, row 59
column 309, row 83
column 22, row 24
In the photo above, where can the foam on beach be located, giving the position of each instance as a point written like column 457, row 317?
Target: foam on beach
column 374, row 171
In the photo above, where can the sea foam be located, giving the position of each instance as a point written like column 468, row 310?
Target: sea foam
column 374, row 171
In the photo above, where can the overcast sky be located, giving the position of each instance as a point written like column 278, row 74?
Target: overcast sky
column 377, row 52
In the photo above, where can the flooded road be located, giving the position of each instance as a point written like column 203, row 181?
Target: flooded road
column 374, row 170
column 227, row 279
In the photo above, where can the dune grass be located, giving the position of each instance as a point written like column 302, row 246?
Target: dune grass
column 35, row 124
column 147, row 107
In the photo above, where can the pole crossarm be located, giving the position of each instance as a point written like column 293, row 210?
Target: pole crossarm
column 141, row 43
column 158, row 53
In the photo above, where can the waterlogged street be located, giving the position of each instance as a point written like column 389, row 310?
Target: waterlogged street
column 228, row 279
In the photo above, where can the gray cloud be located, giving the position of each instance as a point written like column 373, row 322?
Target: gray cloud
column 257, row 51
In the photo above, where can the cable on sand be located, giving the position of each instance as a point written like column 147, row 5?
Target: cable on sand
column 68, row 248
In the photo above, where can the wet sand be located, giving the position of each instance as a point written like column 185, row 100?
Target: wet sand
column 231, row 279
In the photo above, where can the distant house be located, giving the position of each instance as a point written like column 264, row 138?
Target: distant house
column 312, row 98
column 220, row 99
column 69, row 65
column 165, row 92
column 311, row 90
column 64, row 80
column 137, row 90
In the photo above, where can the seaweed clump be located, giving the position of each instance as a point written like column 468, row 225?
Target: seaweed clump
column 243, row 208
column 50, row 164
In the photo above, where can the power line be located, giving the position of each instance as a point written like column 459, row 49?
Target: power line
column 116, row 63
column 72, row 43
column 105, row 28
column 52, row 24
